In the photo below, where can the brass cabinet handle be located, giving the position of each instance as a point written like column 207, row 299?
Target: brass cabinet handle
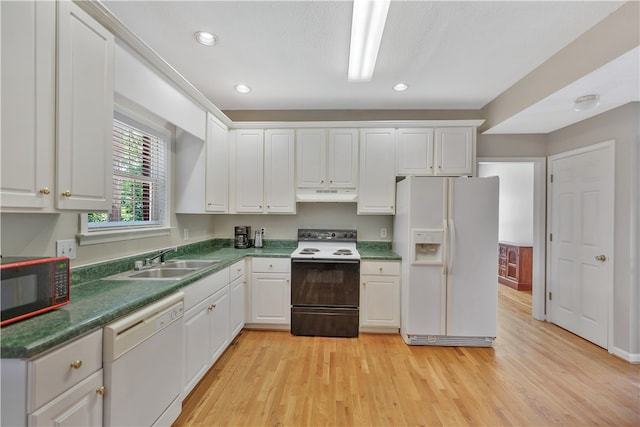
column 45, row 190
column 66, row 193
column 211, row 307
column 101, row 391
column 601, row 258
column 76, row 364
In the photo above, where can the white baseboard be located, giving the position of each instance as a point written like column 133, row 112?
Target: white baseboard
column 625, row 355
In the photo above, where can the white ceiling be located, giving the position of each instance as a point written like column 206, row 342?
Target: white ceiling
column 452, row 54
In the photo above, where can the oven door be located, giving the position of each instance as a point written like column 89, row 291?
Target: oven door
column 328, row 283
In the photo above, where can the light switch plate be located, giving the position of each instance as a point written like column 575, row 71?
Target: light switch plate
column 66, row 248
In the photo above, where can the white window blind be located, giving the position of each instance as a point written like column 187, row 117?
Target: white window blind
column 139, row 178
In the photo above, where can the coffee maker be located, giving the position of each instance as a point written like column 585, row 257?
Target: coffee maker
column 242, row 235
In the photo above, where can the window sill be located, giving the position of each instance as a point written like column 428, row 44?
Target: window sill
column 96, row 237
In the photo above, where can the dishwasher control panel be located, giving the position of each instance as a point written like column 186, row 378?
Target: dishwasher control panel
column 169, row 317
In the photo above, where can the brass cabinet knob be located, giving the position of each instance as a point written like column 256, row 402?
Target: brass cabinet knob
column 601, row 258
column 379, row 268
column 101, row 391
column 45, row 190
column 66, row 193
column 211, row 307
column 76, row 364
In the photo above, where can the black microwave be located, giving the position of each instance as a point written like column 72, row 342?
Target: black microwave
column 31, row 286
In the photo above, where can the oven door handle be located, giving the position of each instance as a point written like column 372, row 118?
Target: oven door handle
column 326, row 261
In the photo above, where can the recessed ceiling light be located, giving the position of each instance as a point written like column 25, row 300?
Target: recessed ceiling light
column 586, row 102
column 206, row 38
column 242, row 88
column 400, row 87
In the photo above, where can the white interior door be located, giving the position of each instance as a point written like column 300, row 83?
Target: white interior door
column 581, row 269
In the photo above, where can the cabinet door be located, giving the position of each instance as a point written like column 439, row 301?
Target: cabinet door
column 279, row 184
column 342, row 161
column 377, row 186
column 414, row 151
column 218, row 323
column 311, row 146
column 249, row 171
column 271, row 298
column 217, row 171
column 454, row 151
column 237, row 292
column 82, row 405
column 380, row 301
column 196, row 336
column 28, row 104
column 85, row 111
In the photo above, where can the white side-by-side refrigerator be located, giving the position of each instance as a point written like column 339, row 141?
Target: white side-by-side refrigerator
column 446, row 230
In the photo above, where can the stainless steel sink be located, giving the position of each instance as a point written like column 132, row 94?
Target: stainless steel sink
column 189, row 263
column 170, row 270
column 163, row 273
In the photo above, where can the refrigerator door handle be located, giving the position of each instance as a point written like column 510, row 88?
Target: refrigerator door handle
column 452, row 245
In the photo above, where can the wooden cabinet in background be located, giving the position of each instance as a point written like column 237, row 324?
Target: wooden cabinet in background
column 515, row 266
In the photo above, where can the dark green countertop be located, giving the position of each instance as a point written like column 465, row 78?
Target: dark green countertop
column 96, row 302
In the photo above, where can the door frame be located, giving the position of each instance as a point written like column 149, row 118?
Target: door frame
column 539, row 275
column 610, row 145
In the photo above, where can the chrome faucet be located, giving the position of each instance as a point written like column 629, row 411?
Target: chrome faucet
column 161, row 255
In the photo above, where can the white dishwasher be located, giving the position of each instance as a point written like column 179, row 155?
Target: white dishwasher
column 142, row 360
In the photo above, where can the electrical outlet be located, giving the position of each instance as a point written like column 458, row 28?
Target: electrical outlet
column 383, row 232
column 66, row 248
column 185, row 234
column 262, row 230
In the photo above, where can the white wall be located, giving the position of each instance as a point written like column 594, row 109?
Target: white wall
column 516, row 200
column 309, row 215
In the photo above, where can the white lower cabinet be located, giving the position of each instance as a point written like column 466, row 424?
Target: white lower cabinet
column 206, row 323
column 380, row 294
column 237, row 292
column 64, row 387
column 79, row 406
column 271, row 291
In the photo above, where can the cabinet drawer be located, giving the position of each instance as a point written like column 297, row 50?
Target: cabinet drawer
column 197, row 291
column 270, row 265
column 380, row 268
column 54, row 373
column 236, row 270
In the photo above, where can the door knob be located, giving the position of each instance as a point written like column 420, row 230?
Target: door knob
column 601, row 258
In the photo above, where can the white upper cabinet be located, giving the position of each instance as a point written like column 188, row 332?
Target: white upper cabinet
column 311, row 158
column 440, row 151
column 377, row 186
column 279, row 164
column 264, row 171
column 342, row 160
column 28, row 105
column 414, row 151
column 327, row 159
column 248, row 149
column 454, row 151
column 217, row 165
column 85, row 111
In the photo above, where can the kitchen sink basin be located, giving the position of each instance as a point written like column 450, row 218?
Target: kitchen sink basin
column 189, row 263
column 170, row 270
column 163, row 273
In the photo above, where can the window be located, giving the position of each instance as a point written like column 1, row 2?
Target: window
column 139, row 181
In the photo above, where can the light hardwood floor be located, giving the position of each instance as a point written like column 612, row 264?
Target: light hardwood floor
column 535, row 375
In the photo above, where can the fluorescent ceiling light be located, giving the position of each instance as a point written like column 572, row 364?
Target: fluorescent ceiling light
column 367, row 26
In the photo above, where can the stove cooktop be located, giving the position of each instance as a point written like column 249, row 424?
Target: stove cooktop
column 326, row 244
